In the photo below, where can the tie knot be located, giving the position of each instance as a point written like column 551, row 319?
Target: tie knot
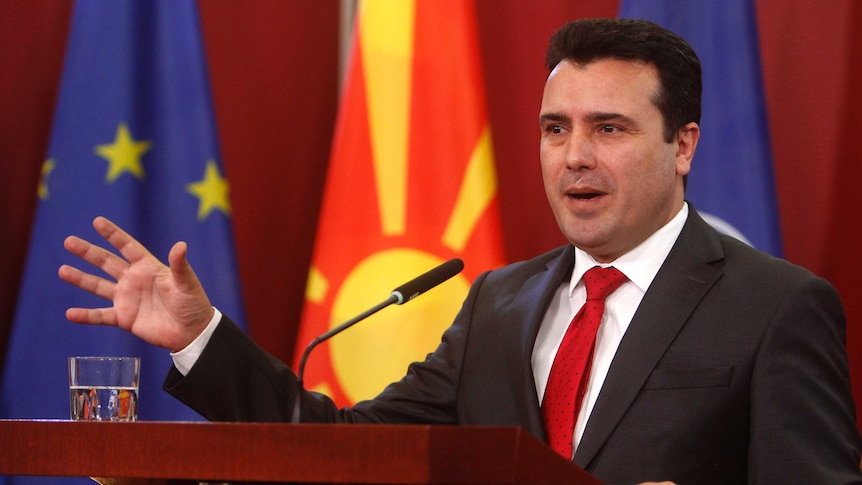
column 601, row 282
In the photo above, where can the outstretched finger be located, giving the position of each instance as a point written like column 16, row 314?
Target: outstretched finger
column 94, row 284
column 92, row 316
column 99, row 257
column 128, row 246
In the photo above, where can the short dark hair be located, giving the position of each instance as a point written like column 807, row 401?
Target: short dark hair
column 587, row 40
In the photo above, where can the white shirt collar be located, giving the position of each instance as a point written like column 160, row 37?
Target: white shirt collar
column 641, row 264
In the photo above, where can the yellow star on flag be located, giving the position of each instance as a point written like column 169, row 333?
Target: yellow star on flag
column 47, row 168
column 124, row 155
column 212, row 192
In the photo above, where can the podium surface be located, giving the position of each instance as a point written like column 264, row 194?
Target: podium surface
column 174, row 452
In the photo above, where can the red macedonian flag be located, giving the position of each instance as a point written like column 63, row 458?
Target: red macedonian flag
column 411, row 184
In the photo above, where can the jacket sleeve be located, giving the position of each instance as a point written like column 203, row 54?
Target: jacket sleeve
column 803, row 424
column 235, row 380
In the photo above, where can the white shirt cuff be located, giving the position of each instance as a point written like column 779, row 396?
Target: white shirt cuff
column 184, row 359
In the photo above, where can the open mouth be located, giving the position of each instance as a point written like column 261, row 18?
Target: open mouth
column 584, row 196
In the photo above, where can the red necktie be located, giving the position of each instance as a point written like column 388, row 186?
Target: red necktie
column 567, row 382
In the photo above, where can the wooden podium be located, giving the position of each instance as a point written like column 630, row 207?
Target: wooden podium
column 179, row 452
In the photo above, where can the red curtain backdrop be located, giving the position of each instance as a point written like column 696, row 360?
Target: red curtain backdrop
column 273, row 67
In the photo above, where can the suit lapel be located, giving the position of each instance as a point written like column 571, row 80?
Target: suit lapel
column 533, row 301
column 684, row 278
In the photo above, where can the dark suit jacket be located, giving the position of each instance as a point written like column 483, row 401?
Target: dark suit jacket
column 733, row 370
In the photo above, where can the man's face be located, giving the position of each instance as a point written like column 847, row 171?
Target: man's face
column 610, row 177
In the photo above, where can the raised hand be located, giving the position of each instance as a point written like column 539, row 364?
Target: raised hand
column 163, row 305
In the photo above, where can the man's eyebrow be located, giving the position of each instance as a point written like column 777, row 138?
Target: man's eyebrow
column 592, row 117
column 600, row 116
column 553, row 117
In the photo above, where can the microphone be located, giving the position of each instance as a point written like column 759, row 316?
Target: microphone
column 399, row 296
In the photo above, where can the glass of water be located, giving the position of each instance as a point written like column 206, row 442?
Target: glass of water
column 104, row 388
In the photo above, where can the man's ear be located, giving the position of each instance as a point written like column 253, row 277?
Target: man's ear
column 686, row 142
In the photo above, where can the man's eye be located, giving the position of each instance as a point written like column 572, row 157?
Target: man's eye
column 556, row 129
column 608, row 129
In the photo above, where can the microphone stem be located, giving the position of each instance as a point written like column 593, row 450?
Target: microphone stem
column 344, row 326
column 297, row 402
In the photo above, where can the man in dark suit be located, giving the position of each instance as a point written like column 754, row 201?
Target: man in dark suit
column 712, row 362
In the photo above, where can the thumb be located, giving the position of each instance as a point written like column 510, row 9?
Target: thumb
column 192, row 308
column 180, row 267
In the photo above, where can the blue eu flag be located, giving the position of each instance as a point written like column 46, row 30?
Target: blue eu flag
column 731, row 181
column 133, row 139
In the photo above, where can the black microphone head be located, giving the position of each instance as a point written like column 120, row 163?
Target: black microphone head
column 426, row 281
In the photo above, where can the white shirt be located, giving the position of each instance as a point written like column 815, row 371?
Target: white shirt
column 184, row 359
column 640, row 266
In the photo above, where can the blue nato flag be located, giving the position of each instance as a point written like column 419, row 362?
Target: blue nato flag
column 731, row 181
column 133, row 139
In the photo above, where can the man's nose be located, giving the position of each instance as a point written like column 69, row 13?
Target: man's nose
column 580, row 151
